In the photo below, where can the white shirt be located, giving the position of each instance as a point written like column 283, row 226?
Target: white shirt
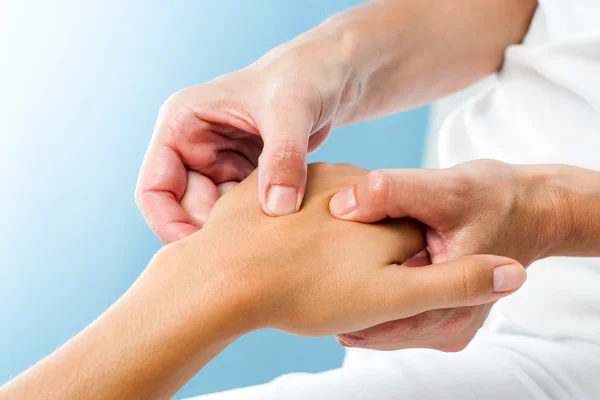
column 543, row 108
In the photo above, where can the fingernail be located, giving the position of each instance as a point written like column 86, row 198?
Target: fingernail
column 282, row 200
column 508, row 277
column 343, row 202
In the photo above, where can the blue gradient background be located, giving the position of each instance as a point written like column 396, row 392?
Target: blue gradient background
column 81, row 84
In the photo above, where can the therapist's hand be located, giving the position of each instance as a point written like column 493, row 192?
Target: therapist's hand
column 480, row 207
column 211, row 136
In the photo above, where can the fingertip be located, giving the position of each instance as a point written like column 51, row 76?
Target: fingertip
column 281, row 200
column 509, row 277
column 343, row 203
column 282, row 177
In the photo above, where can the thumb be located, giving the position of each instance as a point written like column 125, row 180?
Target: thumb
column 418, row 193
column 282, row 163
column 467, row 281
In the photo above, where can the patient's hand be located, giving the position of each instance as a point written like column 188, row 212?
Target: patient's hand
column 312, row 274
column 306, row 273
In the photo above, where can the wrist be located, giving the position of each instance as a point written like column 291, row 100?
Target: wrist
column 198, row 277
column 379, row 44
column 548, row 202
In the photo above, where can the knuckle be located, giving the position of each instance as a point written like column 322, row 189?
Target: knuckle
column 380, row 187
column 461, row 320
column 287, row 157
column 470, row 282
column 172, row 101
column 176, row 116
column 476, row 281
column 179, row 120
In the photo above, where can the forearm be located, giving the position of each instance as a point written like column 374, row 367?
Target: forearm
column 566, row 208
column 405, row 53
column 145, row 346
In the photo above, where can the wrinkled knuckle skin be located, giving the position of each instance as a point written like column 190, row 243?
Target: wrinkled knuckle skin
column 287, row 157
column 471, row 282
column 461, row 321
column 379, row 189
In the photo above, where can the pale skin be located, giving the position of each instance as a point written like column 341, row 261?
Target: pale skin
column 382, row 57
column 199, row 294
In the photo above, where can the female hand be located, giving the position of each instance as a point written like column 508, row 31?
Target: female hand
column 348, row 69
column 480, row 207
column 312, row 274
column 209, row 137
column 308, row 273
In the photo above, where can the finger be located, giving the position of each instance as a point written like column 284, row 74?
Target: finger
column 467, row 281
column 200, row 196
column 449, row 329
column 416, row 193
column 403, row 333
column 285, row 130
column 228, row 166
column 161, row 185
column 226, row 187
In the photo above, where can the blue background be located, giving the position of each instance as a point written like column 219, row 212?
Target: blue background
column 81, row 86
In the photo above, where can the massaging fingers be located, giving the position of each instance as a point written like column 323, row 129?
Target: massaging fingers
column 417, row 193
column 285, row 125
column 160, row 187
column 467, row 281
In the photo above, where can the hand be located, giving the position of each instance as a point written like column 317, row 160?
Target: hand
column 311, row 274
column 348, row 69
column 481, row 207
column 307, row 273
column 211, row 136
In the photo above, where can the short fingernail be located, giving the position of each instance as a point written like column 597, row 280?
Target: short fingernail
column 282, row 200
column 508, row 277
column 343, row 202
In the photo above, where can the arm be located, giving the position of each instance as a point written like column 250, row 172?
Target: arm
column 404, row 53
column 373, row 60
column 567, row 203
column 526, row 212
column 199, row 294
column 146, row 346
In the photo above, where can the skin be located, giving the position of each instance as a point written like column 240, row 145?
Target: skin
column 273, row 112
column 201, row 293
column 520, row 211
column 370, row 61
column 382, row 57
